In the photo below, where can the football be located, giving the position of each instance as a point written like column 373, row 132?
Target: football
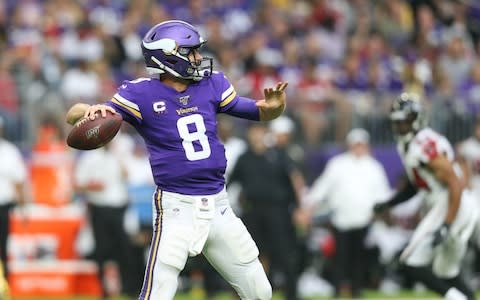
column 89, row 134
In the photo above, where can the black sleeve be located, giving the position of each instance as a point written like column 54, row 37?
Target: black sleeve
column 407, row 191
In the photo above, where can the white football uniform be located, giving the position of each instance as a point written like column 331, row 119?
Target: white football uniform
column 189, row 225
column 424, row 147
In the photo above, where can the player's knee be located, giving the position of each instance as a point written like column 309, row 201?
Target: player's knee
column 263, row 289
column 164, row 283
column 167, row 278
column 260, row 288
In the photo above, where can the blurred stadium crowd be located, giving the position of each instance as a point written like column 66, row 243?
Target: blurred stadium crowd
column 345, row 60
column 348, row 57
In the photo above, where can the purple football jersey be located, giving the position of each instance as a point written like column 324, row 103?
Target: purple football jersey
column 180, row 130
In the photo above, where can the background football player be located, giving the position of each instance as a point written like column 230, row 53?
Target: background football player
column 175, row 112
column 438, row 245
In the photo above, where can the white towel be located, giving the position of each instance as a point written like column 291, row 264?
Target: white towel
column 204, row 212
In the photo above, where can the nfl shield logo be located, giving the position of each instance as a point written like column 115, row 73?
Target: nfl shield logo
column 204, row 201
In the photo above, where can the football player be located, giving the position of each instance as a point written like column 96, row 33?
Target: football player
column 438, row 245
column 175, row 110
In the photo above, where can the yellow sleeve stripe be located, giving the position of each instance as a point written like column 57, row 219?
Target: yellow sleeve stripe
column 227, row 92
column 126, row 102
column 131, row 110
column 228, row 99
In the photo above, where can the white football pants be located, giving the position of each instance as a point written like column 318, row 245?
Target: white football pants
column 187, row 225
column 447, row 257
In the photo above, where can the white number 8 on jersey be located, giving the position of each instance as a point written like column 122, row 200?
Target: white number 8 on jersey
column 189, row 137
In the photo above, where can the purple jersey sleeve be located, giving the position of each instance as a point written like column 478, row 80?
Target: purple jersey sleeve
column 226, row 95
column 245, row 108
column 126, row 104
column 230, row 103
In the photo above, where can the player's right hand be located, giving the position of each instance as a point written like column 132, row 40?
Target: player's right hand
column 91, row 112
column 380, row 208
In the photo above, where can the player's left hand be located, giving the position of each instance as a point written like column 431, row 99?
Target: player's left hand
column 440, row 235
column 274, row 97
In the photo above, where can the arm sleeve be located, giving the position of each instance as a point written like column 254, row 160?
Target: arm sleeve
column 125, row 102
column 225, row 94
column 405, row 193
column 230, row 103
column 244, row 108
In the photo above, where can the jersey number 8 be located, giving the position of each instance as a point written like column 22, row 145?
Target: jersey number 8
column 189, row 137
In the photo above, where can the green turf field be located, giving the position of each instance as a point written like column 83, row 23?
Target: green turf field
column 186, row 296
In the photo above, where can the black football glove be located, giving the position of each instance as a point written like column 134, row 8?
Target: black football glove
column 381, row 207
column 440, row 235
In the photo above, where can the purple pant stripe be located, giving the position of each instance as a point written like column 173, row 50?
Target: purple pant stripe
column 152, row 258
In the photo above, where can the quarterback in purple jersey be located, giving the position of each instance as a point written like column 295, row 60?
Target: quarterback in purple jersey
column 175, row 112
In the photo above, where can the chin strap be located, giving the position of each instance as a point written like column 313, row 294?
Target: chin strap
column 162, row 68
